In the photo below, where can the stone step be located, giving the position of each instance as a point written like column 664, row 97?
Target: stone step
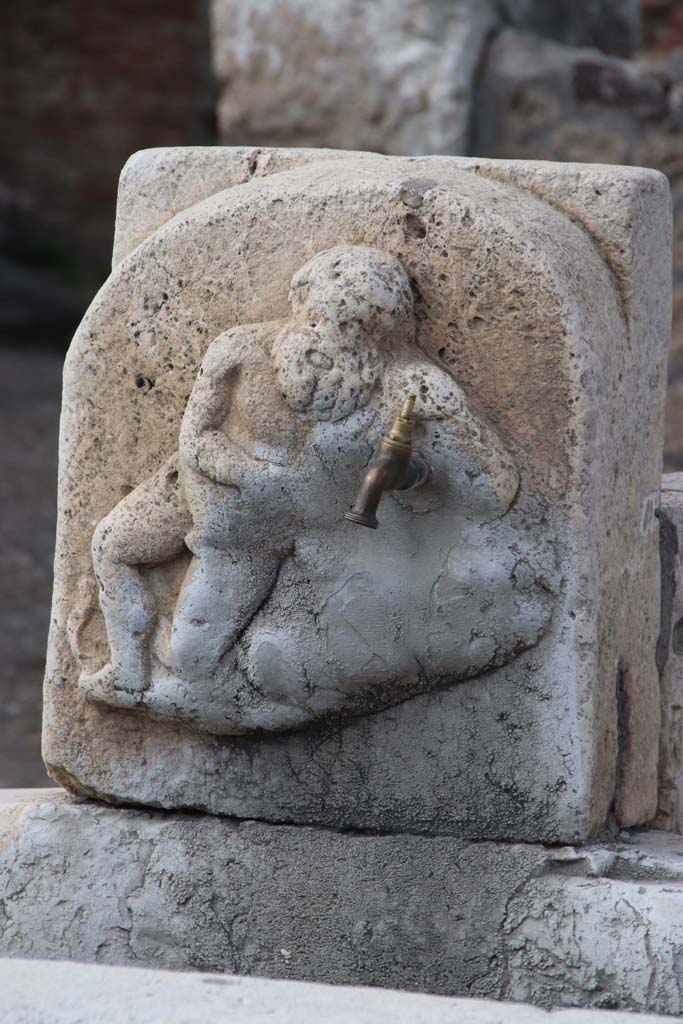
column 599, row 926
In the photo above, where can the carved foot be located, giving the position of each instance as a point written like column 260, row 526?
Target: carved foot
column 113, row 686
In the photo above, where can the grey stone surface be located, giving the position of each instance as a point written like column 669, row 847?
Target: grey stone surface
column 600, row 926
column 392, row 75
column 537, row 96
column 612, row 26
column 38, row 992
column 396, row 76
column 536, row 285
column 670, row 655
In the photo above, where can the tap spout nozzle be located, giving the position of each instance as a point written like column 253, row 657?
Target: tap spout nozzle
column 396, row 467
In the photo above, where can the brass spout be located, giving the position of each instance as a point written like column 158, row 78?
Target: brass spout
column 395, row 467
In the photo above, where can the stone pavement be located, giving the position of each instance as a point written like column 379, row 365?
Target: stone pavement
column 36, row 992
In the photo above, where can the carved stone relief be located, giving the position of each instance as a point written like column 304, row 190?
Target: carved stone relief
column 224, row 638
column 280, row 618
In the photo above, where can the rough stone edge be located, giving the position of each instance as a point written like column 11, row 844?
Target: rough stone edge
column 457, row 52
column 616, row 207
column 672, row 483
column 183, row 176
column 28, row 796
column 156, row 184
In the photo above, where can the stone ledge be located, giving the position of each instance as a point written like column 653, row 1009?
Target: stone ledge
column 598, row 926
column 37, row 992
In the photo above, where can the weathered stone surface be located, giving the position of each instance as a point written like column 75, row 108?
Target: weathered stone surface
column 540, row 302
column 394, row 75
column 619, row 919
column 670, row 655
column 40, row 992
column 397, row 76
column 600, row 927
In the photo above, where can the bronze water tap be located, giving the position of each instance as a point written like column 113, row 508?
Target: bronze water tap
column 395, row 468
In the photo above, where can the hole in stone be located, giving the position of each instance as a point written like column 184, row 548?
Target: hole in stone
column 413, row 226
column 143, row 384
column 677, row 637
column 319, row 360
column 417, row 294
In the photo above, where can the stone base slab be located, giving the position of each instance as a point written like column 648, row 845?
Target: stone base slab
column 600, row 926
column 37, row 992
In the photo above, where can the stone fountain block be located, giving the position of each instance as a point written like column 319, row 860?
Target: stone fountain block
column 482, row 665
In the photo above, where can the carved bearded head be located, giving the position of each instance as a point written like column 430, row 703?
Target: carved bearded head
column 350, row 306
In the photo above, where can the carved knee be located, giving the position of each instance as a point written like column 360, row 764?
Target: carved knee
column 186, row 649
column 106, row 548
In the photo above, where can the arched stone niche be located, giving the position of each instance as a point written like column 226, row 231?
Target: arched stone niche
column 549, row 315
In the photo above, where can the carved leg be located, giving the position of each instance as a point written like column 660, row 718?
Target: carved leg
column 222, row 592
column 146, row 528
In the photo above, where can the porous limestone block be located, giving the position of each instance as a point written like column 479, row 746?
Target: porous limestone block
column 38, row 992
column 481, row 665
column 600, row 926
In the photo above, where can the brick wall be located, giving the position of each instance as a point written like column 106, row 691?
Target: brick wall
column 82, row 85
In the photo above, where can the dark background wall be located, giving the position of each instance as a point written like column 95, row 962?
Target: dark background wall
column 611, row 26
column 82, row 86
